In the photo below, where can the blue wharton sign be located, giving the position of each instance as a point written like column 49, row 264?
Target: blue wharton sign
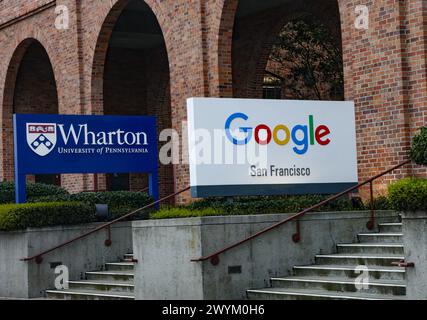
column 54, row 144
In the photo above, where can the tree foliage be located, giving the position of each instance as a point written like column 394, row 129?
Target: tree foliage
column 313, row 60
column 419, row 147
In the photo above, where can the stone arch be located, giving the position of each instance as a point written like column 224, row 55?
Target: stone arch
column 225, row 47
column 101, row 48
column 260, row 50
column 30, row 87
column 131, row 76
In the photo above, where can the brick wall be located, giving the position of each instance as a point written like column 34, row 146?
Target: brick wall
column 385, row 66
column 375, row 76
column 35, row 89
column 136, row 82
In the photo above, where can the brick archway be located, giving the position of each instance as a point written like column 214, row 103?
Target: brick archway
column 131, row 76
column 30, row 87
column 101, row 49
column 225, row 48
column 366, row 54
column 261, row 30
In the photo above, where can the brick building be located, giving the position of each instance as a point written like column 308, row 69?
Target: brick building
column 147, row 57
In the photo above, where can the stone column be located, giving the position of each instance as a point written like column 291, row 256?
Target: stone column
column 415, row 243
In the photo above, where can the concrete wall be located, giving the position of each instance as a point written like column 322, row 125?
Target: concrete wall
column 13, row 273
column 415, row 242
column 29, row 280
column 164, row 249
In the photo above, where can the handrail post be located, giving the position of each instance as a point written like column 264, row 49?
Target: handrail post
column 297, row 236
column 108, row 242
column 215, row 260
column 107, row 226
column 38, row 259
column 371, row 223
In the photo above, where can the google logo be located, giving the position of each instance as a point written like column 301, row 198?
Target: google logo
column 302, row 136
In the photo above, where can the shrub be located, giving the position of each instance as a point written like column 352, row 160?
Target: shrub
column 34, row 190
column 381, row 203
column 36, row 215
column 419, row 148
column 257, row 205
column 182, row 212
column 112, row 198
column 119, row 202
column 254, row 205
column 408, row 194
column 118, row 211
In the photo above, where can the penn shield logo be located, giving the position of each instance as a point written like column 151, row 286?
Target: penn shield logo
column 41, row 137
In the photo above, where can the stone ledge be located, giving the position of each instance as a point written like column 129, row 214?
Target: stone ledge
column 258, row 218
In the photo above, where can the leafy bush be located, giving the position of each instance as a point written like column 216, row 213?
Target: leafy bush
column 182, row 212
column 119, row 202
column 262, row 205
column 35, row 215
column 408, row 194
column 118, row 211
column 113, row 198
column 419, row 147
column 257, row 205
column 34, row 190
column 381, row 203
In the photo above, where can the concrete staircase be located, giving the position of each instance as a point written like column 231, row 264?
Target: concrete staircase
column 113, row 283
column 334, row 276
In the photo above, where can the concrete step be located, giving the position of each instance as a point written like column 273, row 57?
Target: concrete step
column 358, row 259
column 380, row 237
column 350, row 271
column 93, row 285
column 371, row 248
column 120, row 266
column 390, row 287
column 87, row 295
column 390, row 227
column 120, row 276
column 310, row 294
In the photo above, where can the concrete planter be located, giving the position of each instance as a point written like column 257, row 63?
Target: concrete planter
column 415, row 242
column 164, row 249
column 29, row 280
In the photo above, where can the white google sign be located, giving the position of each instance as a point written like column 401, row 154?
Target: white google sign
column 266, row 147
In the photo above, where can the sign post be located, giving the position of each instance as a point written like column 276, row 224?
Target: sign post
column 55, row 144
column 244, row 147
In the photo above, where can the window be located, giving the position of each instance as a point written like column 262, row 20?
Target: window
column 272, row 87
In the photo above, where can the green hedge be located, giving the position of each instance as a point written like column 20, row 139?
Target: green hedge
column 419, row 148
column 256, row 205
column 34, row 190
column 182, row 212
column 36, row 215
column 119, row 202
column 263, row 205
column 408, row 194
column 381, row 203
column 114, row 198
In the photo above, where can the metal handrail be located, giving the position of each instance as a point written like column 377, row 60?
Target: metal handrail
column 101, row 191
column 214, row 257
column 39, row 257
